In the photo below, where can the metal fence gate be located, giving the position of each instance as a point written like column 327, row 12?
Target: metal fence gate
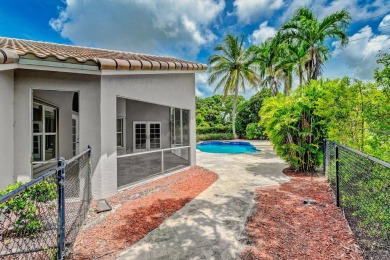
column 40, row 218
column 362, row 188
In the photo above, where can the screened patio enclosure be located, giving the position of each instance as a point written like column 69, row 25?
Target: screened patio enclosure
column 151, row 139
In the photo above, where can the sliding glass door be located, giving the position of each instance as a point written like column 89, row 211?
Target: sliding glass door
column 180, row 127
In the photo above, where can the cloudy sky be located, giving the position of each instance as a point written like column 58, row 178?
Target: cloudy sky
column 190, row 29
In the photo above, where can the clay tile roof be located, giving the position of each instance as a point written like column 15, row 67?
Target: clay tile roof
column 13, row 49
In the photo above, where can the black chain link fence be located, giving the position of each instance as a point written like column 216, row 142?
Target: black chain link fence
column 30, row 215
column 362, row 187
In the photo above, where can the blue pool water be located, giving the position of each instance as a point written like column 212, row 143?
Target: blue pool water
column 226, row 147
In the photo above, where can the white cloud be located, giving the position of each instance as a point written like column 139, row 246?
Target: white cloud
column 324, row 8
column 262, row 34
column 384, row 26
column 202, row 88
column 251, row 10
column 358, row 58
column 198, row 92
column 152, row 26
column 201, row 78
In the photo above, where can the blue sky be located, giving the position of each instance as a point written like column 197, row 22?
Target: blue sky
column 190, row 29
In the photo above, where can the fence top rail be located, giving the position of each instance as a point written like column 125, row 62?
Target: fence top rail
column 19, row 190
column 383, row 163
column 77, row 156
column 155, row 151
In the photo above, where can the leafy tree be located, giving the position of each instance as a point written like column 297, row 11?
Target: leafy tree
column 357, row 114
column 215, row 111
column 306, row 29
column 231, row 70
column 383, row 76
column 248, row 111
column 296, row 132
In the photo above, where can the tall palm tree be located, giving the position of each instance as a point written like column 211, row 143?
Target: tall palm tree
column 231, row 69
column 271, row 67
column 306, row 29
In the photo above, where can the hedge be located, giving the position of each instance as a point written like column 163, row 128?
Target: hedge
column 215, row 136
column 214, row 130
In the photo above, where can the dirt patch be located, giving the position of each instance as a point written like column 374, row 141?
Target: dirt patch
column 284, row 227
column 138, row 211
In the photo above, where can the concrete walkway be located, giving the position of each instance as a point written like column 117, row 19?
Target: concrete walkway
column 212, row 225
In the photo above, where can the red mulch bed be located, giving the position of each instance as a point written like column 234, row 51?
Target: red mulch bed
column 139, row 211
column 283, row 227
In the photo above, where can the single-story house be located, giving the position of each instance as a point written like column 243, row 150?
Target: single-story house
column 136, row 111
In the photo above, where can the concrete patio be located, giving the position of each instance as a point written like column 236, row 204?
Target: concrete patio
column 212, row 225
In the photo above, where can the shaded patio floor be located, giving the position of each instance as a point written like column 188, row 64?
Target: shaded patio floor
column 141, row 167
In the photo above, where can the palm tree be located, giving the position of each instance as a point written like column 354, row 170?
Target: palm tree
column 272, row 68
column 306, row 29
column 231, row 69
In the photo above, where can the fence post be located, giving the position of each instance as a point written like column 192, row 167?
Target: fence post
column 61, row 209
column 162, row 162
column 337, row 178
column 324, row 155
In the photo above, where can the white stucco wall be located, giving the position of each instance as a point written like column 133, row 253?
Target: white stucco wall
column 6, row 128
column 89, row 96
column 97, row 114
column 176, row 90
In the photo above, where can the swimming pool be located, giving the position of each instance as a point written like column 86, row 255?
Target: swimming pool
column 226, row 147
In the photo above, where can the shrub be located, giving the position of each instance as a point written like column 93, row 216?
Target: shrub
column 214, row 129
column 24, row 205
column 248, row 111
column 214, row 136
column 254, row 131
column 296, row 132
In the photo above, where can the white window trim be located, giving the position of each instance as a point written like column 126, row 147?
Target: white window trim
column 43, row 133
column 123, row 132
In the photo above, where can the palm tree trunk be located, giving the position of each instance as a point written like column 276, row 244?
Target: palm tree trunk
column 234, row 113
column 275, row 86
column 300, row 76
column 311, row 63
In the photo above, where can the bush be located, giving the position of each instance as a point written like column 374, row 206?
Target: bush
column 214, row 129
column 214, row 136
column 248, row 111
column 296, row 132
column 24, row 205
column 255, row 132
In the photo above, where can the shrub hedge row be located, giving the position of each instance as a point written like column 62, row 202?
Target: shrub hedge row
column 214, row 130
column 214, row 136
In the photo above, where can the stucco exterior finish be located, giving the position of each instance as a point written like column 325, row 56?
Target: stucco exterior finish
column 88, row 86
column 98, row 110
column 7, row 128
column 172, row 90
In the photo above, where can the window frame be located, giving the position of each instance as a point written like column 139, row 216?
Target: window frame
column 173, row 126
column 122, row 119
column 43, row 134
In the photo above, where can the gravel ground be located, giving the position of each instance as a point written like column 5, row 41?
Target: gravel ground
column 138, row 211
column 284, row 227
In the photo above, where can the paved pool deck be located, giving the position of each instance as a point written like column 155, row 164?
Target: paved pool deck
column 212, row 226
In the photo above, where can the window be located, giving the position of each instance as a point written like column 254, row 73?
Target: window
column 180, row 127
column 44, row 132
column 119, row 133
